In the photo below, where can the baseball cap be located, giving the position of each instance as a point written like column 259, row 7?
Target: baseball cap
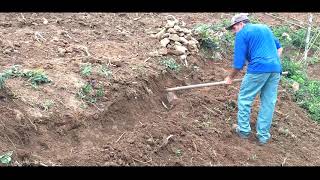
column 237, row 18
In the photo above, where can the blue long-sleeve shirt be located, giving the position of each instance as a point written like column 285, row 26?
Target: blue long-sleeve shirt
column 257, row 44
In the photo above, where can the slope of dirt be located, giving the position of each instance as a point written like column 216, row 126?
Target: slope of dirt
column 132, row 124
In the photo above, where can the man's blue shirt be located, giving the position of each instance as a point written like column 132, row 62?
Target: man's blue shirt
column 257, row 44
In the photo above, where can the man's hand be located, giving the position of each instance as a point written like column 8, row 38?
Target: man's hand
column 228, row 80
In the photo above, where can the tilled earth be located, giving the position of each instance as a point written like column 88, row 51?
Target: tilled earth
column 133, row 123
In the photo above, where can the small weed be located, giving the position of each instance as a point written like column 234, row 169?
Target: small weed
column 89, row 94
column 47, row 105
column 253, row 157
column 6, row 158
column 314, row 60
column 178, row 152
column 105, row 71
column 86, row 70
column 100, row 91
column 36, row 77
column 170, row 63
column 214, row 38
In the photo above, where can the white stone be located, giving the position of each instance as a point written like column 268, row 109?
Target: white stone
column 181, row 49
column 170, row 24
column 172, row 31
column 174, row 37
column 164, row 42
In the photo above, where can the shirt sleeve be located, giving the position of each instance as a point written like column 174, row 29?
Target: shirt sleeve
column 276, row 40
column 240, row 52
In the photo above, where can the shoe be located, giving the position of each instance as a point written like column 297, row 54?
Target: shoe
column 236, row 130
column 260, row 141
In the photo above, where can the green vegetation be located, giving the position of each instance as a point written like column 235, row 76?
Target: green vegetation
column 36, row 77
column 308, row 95
column 171, row 64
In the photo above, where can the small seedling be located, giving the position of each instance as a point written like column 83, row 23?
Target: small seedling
column 170, row 63
column 178, row 152
column 47, row 105
column 100, row 91
column 86, row 70
column 36, row 77
column 6, row 158
column 105, row 71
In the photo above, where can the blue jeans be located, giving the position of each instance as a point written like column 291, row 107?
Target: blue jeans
column 267, row 85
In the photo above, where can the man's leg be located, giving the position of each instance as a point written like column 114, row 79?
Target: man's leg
column 268, row 99
column 250, row 86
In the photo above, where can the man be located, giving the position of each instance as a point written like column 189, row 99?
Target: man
column 256, row 45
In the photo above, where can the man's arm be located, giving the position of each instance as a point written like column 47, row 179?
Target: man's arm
column 240, row 53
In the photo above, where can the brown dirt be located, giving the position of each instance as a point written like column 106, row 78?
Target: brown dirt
column 130, row 125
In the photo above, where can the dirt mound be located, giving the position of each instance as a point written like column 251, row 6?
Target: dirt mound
column 133, row 123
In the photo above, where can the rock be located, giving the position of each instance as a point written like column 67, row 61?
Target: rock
column 295, row 86
column 181, row 49
column 174, row 37
column 186, row 31
column 171, row 31
column 7, row 51
column 194, row 40
column 160, row 33
column 183, row 57
column 181, row 34
column 188, row 36
column 150, row 141
column 170, row 24
column 165, row 35
column 170, row 45
column 154, row 54
column 19, row 114
column 177, row 28
column 174, row 52
column 182, row 24
column 164, row 42
column 69, row 49
column 163, row 51
column 177, row 43
column 45, row 21
column 183, row 40
column 61, row 52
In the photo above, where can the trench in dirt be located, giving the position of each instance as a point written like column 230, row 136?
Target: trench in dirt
column 137, row 129
column 48, row 138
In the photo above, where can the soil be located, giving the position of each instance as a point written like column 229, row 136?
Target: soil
column 133, row 123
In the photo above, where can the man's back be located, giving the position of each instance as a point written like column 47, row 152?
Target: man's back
column 257, row 44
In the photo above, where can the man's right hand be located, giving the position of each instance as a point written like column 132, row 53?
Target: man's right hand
column 228, row 80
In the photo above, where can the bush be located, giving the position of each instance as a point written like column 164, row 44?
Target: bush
column 308, row 95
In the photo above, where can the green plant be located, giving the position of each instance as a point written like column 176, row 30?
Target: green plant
column 214, row 38
column 308, row 95
column 90, row 94
column 178, row 152
column 47, row 105
column 170, row 63
column 105, row 71
column 36, row 77
column 86, row 69
column 6, row 158
column 284, row 34
column 314, row 59
column 100, row 91
column 13, row 71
